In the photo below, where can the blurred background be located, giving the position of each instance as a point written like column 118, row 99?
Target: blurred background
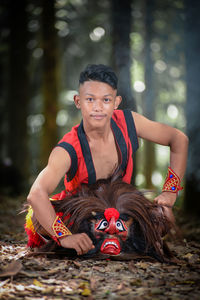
column 154, row 47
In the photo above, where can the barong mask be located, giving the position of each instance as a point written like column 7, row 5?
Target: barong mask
column 111, row 230
column 120, row 221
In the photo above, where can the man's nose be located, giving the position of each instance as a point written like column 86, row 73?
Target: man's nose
column 98, row 105
column 112, row 229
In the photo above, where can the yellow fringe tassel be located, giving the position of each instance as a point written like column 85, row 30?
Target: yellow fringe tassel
column 29, row 223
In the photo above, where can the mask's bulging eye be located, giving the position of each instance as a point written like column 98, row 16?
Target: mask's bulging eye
column 103, row 225
column 120, row 226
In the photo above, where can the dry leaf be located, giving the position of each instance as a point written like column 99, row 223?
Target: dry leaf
column 93, row 283
column 77, row 264
column 19, row 287
column 4, row 282
column 188, row 255
column 142, row 265
column 11, row 269
column 37, row 283
column 86, row 292
column 124, row 291
column 136, row 282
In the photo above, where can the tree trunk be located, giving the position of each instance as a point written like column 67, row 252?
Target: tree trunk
column 192, row 47
column 121, row 59
column 18, row 99
column 50, row 80
column 149, row 96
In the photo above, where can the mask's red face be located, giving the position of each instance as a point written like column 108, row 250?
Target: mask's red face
column 112, row 230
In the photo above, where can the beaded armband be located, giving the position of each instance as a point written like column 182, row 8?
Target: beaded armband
column 59, row 229
column 172, row 182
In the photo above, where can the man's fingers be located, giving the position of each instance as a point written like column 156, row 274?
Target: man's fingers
column 87, row 240
column 83, row 244
column 80, row 242
column 82, row 249
column 168, row 213
column 78, row 249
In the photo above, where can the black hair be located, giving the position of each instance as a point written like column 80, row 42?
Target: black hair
column 100, row 73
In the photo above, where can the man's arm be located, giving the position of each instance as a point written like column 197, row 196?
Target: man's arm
column 46, row 182
column 168, row 136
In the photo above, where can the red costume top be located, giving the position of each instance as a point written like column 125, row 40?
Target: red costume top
column 82, row 167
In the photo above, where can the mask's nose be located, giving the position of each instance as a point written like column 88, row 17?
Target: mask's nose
column 112, row 229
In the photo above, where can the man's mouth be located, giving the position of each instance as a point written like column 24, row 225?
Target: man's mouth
column 111, row 246
column 98, row 116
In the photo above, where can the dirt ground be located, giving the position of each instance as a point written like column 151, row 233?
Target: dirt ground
column 25, row 275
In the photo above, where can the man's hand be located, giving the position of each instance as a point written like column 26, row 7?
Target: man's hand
column 167, row 200
column 80, row 242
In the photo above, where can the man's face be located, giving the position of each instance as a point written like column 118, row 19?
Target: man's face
column 97, row 101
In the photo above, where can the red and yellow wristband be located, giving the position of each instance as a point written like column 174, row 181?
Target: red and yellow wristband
column 172, row 182
column 60, row 230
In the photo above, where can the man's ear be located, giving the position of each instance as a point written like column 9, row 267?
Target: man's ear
column 118, row 100
column 77, row 101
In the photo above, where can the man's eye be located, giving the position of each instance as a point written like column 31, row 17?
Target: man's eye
column 89, row 99
column 106, row 100
column 120, row 226
column 102, row 225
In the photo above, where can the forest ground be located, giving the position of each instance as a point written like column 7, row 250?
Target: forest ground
column 24, row 275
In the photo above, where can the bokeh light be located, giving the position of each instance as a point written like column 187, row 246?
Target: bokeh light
column 62, row 118
column 139, row 86
column 172, row 111
column 97, row 34
column 156, row 178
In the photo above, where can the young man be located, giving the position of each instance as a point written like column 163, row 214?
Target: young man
column 105, row 139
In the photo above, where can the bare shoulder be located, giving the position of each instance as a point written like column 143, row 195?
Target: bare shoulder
column 58, row 164
column 59, row 158
column 141, row 123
